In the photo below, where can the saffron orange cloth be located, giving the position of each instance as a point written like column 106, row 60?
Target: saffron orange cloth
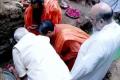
column 52, row 11
column 67, row 41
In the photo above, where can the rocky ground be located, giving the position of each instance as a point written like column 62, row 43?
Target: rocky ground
column 84, row 13
column 11, row 16
column 115, row 70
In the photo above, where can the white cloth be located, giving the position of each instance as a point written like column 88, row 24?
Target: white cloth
column 115, row 4
column 34, row 56
column 96, row 54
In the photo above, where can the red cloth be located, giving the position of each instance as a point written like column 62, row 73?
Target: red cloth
column 52, row 12
column 67, row 41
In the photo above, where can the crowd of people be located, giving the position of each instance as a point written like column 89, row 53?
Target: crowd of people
column 46, row 49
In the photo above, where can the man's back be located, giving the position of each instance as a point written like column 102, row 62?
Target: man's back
column 96, row 54
column 40, row 59
column 67, row 41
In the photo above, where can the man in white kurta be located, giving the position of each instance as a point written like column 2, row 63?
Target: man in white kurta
column 96, row 54
column 35, row 57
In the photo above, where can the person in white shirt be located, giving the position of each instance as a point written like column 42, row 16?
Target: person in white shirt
column 96, row 53
column 36, row 59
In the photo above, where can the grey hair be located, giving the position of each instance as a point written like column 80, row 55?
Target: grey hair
column 19, row 33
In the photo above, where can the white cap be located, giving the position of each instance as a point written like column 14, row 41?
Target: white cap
column 19, row 33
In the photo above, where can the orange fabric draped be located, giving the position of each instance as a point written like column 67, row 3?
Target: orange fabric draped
column 52, row 12
column 67, row 41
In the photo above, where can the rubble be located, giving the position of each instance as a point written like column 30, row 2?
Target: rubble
column 11, row 17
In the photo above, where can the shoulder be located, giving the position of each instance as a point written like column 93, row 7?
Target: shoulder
column 43, row 38
column 15, row 50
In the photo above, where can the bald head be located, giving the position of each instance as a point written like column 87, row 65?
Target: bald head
column 102, row 10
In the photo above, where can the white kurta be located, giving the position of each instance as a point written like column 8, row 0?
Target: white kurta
column 34, row 56
column 96, row 54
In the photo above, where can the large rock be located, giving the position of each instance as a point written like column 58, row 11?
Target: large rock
column 11, row 17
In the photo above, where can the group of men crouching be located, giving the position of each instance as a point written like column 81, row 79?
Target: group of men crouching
column 48, row 50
